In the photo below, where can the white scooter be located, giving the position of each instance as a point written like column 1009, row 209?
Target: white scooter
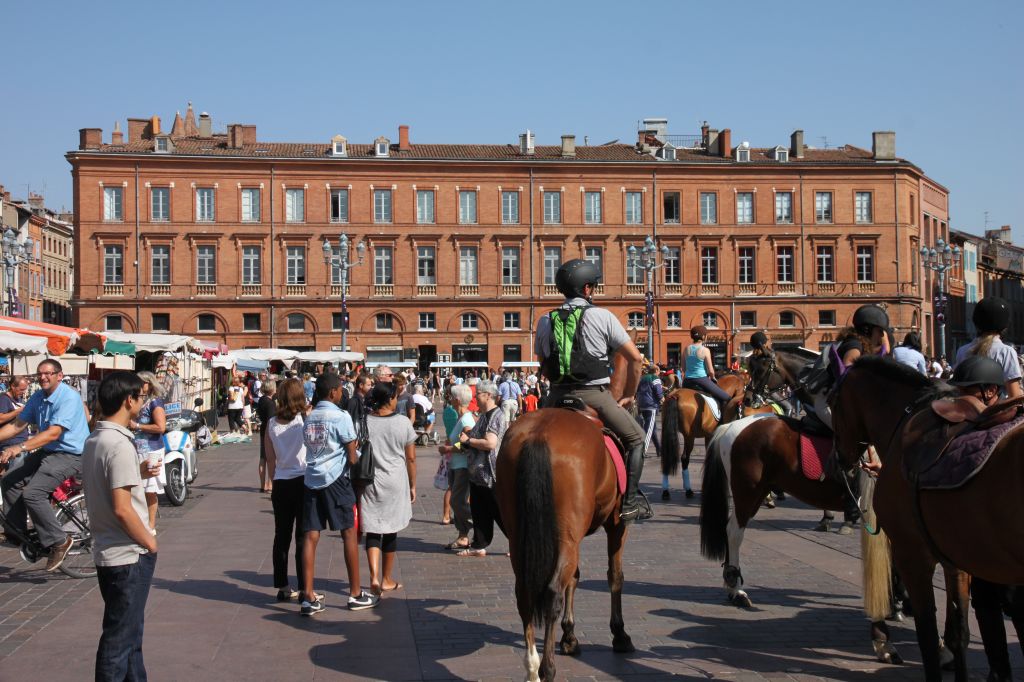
column 180, row 465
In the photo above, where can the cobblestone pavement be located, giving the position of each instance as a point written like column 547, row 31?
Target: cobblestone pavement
column 212, row 613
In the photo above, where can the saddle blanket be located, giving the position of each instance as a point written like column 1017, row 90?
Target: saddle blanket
column 713, row 405
column 965, row 457
column 620, row 465
column 814, row 452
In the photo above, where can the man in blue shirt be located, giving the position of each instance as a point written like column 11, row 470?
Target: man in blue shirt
column 55, row 453
column 511, row 397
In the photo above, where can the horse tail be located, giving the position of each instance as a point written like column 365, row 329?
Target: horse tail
column 670, row 435
column 537, row 533
column 877, row 575
column 714, row 506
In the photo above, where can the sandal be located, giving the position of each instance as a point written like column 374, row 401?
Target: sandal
column 470, row 552
column 456, row 545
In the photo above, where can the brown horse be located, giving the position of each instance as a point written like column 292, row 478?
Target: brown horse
column 977, row 528
column 555, row 484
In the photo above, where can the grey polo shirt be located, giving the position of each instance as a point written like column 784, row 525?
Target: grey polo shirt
column 603, row 334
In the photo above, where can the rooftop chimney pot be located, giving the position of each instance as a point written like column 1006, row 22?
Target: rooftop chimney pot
column 725, row 143
column 205, row 125
column 568, row 146
column 883, row 145
column 403, row 138
column 526, row 147
column 90, row 138
column 796, row 144
column 137, row 129
column 117, row 137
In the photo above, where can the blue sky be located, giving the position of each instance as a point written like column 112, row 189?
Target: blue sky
column 948, row 77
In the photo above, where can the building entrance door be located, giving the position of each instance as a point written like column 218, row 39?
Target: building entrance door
column 428, row 354
column 512, row 353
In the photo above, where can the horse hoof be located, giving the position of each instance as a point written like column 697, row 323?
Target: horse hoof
column 823, row 526
column 623, row 645
column 742, row 601
column 665, row 496
column 570, row 648
column 689, row 494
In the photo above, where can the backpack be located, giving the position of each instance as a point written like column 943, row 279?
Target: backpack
column 569, row 362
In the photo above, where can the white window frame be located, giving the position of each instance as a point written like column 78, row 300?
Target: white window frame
column 509, row 207
column 636, row 320
column 511, row 273
column 113, row 204
column 251, row 205
column 673, row 319
column 634, row 208
column 252, row 264
column 295, row 205
column 592, row 208
column 751, row 323
column 821, row 322
column 708, row 208
column 862, row 208
column 425, row 207
column 709, row 265
column 160, row 209
column 552, row 208
column 206, row 204
column 512, row 320
column 295, row 265
column 339, row 205
column 823, row 204
column 383, row 212
column 710, row 319
column 678, row 199
column 206, row 316
column 383, row 265
column 427, row 321
column 467, row 207
column 747, row 265
column 206, row 264
column 296, row 316
column 595, row 255
column 673, row 265
column 744, row 208
column 259, row 322
column 742, row 154
column 426, row 265
column 783, row 208
column 865, row 263
column 785, row 256
column 469, row 265
column 825, row 259
column 113, row 264
column 552, row 256
column 469, row 322
column 792, row 323
column 160, row 265
column 384, row 322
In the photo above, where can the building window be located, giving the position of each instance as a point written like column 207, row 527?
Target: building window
column 865, row 263
column 382, row 206
column 295, row 263
column 552, row 261
column 781, row 154
column 468, row 273
column 205, row 204
column 250, row 322
column 784, row 264
column 114, row 323
column 160, row 204
column 635, row 320
column 748, row 318
column 467, row 207
column 510, row 265
column 634, row 273
column 428, row 321
column 825, row 261
column 710, row 320
column 748, row 269
column 426, row 265
column 592, row 208
column 206, row 265
column 826, row 318
column 383, row 273
column 161, row 322
column 512, row 320
column 337, row 321
column 510, row 208
column 295, row 205
column 972, row 293
column 470, row 321
column 595, row 255
column 160, row 268
column 339, row 205
column 251, row 265
column 742, row 154
column 113, row 203
column 113, row 265
column 634, row 208
column 206, row 323
column 787, row 319
column 424, row 206
column 385, row 322
column 744, row 208
column 552, row 208
column 783, row 207
column 296, row 322
column 671, row 208
column 823, row 207
column 709, row 265
column 250, row 205
column 708, row 208
column 862, row 207
column 673, row 273
column 674, row 319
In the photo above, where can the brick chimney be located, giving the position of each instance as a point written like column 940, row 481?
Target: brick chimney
column 137, row 129
column 704, row 130
column 205, row 125
column 90, row 138
column 403, row 139
column 796, row 144
column 36, row 201
column 154, row 127
column 248, row 134
column 117, row 137
column 526, row 145
column 235, row 135
column 725, row 143
column 568, row 146
column 883, row 145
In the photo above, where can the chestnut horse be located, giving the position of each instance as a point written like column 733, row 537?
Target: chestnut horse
column 976, row 529
column 555, row 484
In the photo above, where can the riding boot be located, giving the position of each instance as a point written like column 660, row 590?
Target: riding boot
column 632, row 507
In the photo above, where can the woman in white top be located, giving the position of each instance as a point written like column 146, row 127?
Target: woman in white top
column 286, row 467
column 236, row 401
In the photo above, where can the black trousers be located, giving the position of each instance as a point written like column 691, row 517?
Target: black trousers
column 286, row 498
column 484, row 507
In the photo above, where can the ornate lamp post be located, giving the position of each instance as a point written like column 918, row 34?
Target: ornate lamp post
column 15, row 254
column 341, row 261
column 647, row 258
column 940, row 259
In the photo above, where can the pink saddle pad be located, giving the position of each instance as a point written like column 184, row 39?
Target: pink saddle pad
column 620, row 465
column 814, row 452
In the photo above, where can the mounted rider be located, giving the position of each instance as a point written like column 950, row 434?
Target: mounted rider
column 576, row 344
column 700, row 370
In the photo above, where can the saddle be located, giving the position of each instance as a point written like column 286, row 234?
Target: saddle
column 613, row 444
column 815, row 446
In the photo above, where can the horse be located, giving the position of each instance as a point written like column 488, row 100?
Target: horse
column 556, row 484
column 974, row 529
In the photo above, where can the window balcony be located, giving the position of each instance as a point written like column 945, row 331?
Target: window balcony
column 469, row 290
column 709, row 290
column 787, row 288
column 160, row 290
column 826, row 287
column 426, row 290
column 294, row 289
column 673, row 289
column 384, row 290
column 746, row 289
column 514, row 290
column 206, row 290
column 634, row 290
column 599, row 290
column 113, row 290
column 252, row 289
column 551, row 290
column 337, row 290
column 865, row 287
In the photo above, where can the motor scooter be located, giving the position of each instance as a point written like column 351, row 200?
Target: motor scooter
column 180, row 464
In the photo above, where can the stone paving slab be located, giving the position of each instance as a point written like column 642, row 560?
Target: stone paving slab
column 212, row 613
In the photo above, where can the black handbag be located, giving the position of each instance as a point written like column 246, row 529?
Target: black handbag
column 362, row 471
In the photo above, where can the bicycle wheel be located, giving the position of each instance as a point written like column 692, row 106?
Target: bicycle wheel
column 73, row 517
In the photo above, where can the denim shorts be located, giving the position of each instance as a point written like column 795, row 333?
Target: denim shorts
column 333, row 506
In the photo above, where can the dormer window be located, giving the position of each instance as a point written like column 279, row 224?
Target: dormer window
column 339, row 146
column 743, row 152
column 163, row 145
column 381, row 147
column 666, row 153
column 781, row 154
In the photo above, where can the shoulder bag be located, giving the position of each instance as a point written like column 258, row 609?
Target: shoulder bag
column 362, row 471
column 479, row 464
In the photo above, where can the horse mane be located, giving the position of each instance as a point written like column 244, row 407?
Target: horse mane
column 890, row 370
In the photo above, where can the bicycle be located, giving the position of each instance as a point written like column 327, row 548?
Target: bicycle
column 69, row 505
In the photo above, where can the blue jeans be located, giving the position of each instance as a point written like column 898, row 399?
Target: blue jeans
column 125, row 590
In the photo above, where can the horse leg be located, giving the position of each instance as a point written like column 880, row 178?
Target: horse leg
column 616, row 532
column 881, row 640
column 547, row 662
column 532, row 658
column 918, row 578
column 569, row 644
column 732, row 574
column 958, row 631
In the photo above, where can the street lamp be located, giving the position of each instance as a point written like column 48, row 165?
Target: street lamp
column 647, row 258
column 15, row 253
column 940, row 259
column 341, row 261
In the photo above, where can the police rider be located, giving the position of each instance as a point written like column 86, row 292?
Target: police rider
column 576, row 344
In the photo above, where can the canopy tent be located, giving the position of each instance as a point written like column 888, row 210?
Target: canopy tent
column 156, row 343
column 58, row 339
column 243, row 365
column 459, row 365
column 330, row 356
column 520, row 365
column 24, row 344
column 222, row 361
column 268, row 354
column 407, row 364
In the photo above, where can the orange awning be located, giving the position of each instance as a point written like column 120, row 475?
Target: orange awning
column 59, row 340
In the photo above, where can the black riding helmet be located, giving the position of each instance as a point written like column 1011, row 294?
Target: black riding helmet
column 991, row 314
column 868, row 316
column 978, row 370
column 574, row 274
column 759, row 340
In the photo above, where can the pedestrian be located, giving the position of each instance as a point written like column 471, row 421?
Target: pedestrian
column 236, row 401
column 909, row 353
column 328, row 498
column 511, row 397
column 459, row 422
column 266, row 408
column 383, row 373
column 308, row 387
column 935, row 368
column 123, row 547
column 356, row 406
column 649, row 395
column 286, row 467
column 11, row 403
column 484, row 440
column 149, row 431
column 385, row 505
column 531, row 400
column 425, row 421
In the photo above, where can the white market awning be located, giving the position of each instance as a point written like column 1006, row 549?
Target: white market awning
column 407, row 364
column 459, row 365
column 158, row 343
column 521, row 365
column 22, row 344
column 266, row 354
column 330, row 356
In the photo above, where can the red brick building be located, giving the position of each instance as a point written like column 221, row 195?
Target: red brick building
column 219, row 235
